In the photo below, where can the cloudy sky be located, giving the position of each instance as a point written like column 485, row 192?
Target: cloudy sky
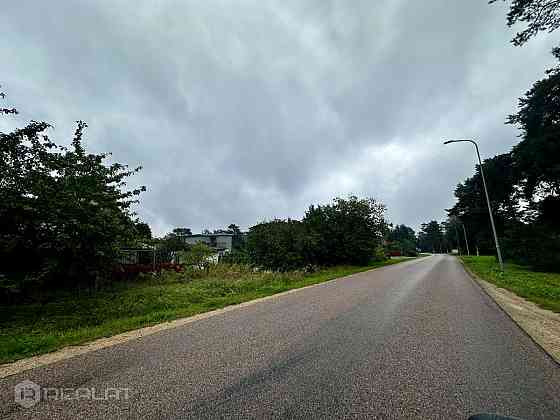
column 241, row 111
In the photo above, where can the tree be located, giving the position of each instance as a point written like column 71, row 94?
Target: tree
column 64, row 213
column 535, row 237
column 539, row 15
column 537, row 156
column 430, row 237
column 233, row 228
column 169, row 245
column 524, row 184
column 452, row 231
column 523, row 199
column 198, row 255
column 402, row 238
column 471, row 209
column 143, row 231
column 348, row 231
column 6, row 110
column 533, row 244
column 182, row 231
column 280, row 245
column 221, row 231
column 238, row 241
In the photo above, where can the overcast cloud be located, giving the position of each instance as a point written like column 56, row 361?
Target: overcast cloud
column 241, row 111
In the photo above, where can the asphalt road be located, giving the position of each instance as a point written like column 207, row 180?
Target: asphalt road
column 414, row 340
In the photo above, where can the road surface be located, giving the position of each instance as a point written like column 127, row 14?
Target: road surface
column 415, row 340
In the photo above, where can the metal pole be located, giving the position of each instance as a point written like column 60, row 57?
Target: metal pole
column 489, row 210
column 487, row 200
column 458, row 243
column 466, row 241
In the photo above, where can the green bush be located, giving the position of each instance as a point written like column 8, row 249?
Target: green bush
column 348, row 231
column 379, row 254
column 64, row 212
column 537, row 246
column 236, row 256
column 281, row 245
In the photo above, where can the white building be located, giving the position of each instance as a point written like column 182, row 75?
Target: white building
column 221, row 242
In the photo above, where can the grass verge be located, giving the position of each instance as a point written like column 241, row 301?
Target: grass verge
column 67, row 319
column 538, row 287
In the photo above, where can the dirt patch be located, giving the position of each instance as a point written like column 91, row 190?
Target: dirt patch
column 541, row 324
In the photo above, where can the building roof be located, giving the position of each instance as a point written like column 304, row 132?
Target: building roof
column 202, row 235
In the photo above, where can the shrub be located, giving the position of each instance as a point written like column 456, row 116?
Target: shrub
column 64, row 212
column 535, row 245
column 348, row 231
column 197, row 256
column 379, row 254
column 236, row 256
column 281, row 245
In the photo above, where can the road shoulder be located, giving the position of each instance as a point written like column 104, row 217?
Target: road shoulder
column 67, row 352
column 542, row 325
column 64, row 353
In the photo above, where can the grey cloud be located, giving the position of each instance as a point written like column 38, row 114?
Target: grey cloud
column 242, row 111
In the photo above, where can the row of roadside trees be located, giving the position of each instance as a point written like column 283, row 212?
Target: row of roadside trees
column 443, row 237
column 524, row 183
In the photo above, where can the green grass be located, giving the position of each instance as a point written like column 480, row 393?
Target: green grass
column 68, row 319
column 538, row 287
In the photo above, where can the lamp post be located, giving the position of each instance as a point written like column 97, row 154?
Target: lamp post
column 487, row 199
column 466, row 241
column 458, row 242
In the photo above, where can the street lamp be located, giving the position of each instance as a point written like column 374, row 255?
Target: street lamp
column 466, row 241
column 487, row 199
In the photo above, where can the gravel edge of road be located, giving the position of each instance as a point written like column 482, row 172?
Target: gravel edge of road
column 540, row 325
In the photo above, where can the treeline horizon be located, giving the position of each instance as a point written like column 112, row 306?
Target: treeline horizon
column 524, row 189
column 524, row 183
